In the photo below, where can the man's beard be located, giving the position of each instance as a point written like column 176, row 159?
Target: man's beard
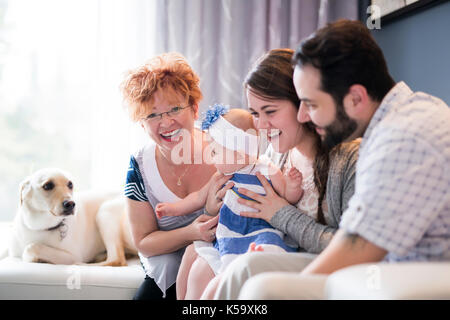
column 341, row 128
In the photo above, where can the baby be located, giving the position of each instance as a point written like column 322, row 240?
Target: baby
column 224, row 126
column 235, row 234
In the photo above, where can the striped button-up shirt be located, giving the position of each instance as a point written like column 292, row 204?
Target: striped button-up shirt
column 402, row 189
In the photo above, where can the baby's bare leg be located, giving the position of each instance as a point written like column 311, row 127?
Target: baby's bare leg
column 199, row 277
column 210, row 290
column 186, row 264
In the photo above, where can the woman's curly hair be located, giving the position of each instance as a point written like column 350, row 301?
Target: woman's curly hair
column 168, row 73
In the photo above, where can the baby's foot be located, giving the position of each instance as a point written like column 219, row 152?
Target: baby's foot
column 254, row 247
column 264, row 247
column 164, row 209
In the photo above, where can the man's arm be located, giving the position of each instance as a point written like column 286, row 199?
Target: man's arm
column 343, row 251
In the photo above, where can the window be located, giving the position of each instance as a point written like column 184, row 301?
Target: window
column 61, row 63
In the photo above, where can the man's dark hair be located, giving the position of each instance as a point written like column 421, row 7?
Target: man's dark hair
column 345, row 53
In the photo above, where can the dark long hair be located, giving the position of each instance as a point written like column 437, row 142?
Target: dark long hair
column 271, row 78
column 345, row 53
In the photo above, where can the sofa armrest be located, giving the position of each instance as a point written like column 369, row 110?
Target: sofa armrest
column 418, row 280
column 42, row 281
column 5, row 234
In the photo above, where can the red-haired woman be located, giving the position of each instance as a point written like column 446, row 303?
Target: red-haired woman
column 163, row 96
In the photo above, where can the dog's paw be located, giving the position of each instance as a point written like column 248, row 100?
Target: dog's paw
column 115, row 263
column 31, row 253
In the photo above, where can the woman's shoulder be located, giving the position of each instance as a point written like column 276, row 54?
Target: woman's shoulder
column 146, row 148
column 346, row 150
column 139, row 157
column 344, row 156
column 134, row 187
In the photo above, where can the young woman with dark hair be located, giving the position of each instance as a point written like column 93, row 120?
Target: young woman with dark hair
column 328, row 176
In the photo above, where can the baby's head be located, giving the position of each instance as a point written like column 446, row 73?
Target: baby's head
column 234, row 140
column 241, row 119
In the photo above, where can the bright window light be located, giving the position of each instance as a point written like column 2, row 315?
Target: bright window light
column 61, row 63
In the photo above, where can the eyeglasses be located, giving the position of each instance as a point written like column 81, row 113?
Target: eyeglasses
column 154, row 117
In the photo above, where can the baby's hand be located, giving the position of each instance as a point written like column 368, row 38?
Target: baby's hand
column 294, row 179
column 165, row 209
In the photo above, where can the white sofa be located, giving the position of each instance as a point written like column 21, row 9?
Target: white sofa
column 409, row 280
column 21, row 280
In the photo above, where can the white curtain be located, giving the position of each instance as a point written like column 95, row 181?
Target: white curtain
column 222, row 38
column 61, row 63
column 125, row 39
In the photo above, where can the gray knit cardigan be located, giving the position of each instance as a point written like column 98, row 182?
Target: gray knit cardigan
column 310, row 235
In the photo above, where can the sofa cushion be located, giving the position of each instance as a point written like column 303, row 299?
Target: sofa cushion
column 23, row 280
column 406, row 280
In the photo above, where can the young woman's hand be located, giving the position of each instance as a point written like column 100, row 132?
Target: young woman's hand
column 266, row 205
column 216, row 193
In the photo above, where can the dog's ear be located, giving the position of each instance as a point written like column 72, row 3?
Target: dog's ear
column 24, row 188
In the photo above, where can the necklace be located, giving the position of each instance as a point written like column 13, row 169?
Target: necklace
column 180, row 177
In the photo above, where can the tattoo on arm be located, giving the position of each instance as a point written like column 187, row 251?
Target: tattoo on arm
column 353, row 239
column 362, row 250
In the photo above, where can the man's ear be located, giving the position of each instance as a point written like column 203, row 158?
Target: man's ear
column 24, row 188
column 356, row 101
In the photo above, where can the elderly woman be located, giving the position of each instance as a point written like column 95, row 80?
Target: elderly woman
column 163, row 97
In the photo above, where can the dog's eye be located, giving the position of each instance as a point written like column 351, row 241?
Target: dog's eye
column 48, row 186
column 70, row 185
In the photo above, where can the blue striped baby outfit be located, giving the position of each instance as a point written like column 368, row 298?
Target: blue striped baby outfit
column 235, row 233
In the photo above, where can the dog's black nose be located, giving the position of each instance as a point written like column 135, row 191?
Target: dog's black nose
column 68, row 207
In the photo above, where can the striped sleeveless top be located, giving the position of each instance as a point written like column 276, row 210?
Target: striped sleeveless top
column 144, row 183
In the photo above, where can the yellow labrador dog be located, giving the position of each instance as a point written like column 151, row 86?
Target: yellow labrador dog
column 55, row 226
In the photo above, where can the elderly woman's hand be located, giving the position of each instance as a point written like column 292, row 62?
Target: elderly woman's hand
column 216, row 193
column 266, row 205
column 205, row 227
